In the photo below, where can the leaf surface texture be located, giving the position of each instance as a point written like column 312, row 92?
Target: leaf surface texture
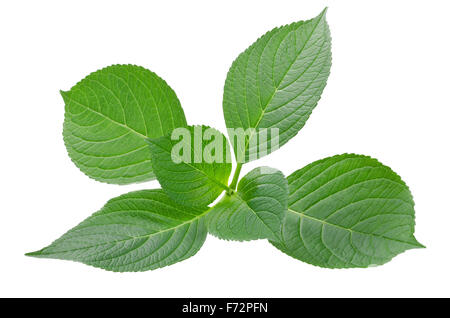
column 108, row 116
column 194, row 181
column 347, row 211
column 137, row 231
column 276, row 83
column 255, row 211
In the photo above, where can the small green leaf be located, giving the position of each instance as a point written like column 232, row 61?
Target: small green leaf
column 347, row 211
column 137, row 231
column 275, row 84
column 108, row 116
column 192, row 164
column 255, row 211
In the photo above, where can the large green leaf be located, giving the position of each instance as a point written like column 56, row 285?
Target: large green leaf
column 347, row 211
column 136, row 231
column 192, row 164
column 108, row 116
column 255, row 211
column 276, row 83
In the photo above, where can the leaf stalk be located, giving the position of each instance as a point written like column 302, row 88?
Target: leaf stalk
column 234, row 182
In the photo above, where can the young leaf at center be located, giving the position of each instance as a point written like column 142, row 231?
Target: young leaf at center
column 192, row 164
column 137, row 231
column 347, row 211
column 255, row 211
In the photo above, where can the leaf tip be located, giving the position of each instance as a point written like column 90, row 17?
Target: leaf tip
column 420, row 245
column 322, row 14
column 63, row 94
column 33, row 254
column 417, row 244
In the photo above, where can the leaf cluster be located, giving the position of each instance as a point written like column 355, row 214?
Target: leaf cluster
column 339, row 212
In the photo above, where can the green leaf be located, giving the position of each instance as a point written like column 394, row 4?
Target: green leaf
column 275, row 84
column 347, row 211
column 137, row 231
column 255, row 211
column 192, row 164
column 108, row 116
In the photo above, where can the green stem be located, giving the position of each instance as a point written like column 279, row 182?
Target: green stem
column 236, row 176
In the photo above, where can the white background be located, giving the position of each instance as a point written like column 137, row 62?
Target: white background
column 387, row 96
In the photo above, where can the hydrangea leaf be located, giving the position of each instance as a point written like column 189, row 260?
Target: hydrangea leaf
column 192, row 164
column 273, row 86
column 347, row 211
column 255, row 211
column 137, row 231
column 108, row 116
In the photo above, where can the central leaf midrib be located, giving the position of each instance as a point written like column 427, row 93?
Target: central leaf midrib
column 148, row 236
column 276, row 89
column 109, row 118
column 303, row 215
